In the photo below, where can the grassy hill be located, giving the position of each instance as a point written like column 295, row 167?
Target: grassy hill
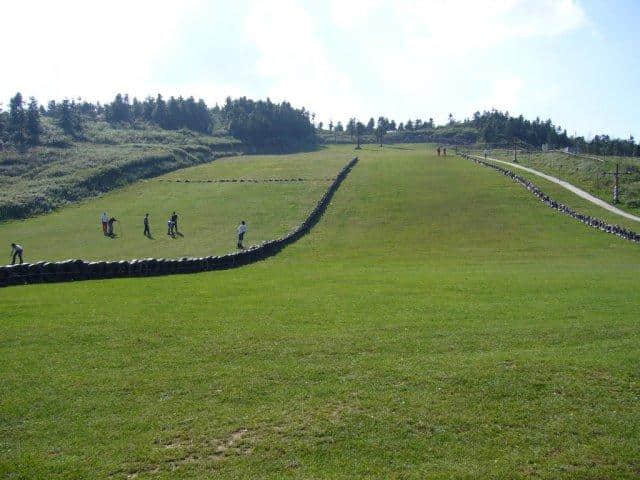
column 64, row 169
column 438, row 322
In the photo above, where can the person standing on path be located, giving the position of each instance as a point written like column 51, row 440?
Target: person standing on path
column 105, row 221
column 16, row 251
column 242, row 229
column 147, row 231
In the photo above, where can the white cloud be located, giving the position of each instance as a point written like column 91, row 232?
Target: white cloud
column 504, row 95
column 295, row 60
column 352, row 13
column 82, row 48
column 427, row 45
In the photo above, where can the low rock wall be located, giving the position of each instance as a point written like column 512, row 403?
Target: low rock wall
column 73, row 270
column 246, row 180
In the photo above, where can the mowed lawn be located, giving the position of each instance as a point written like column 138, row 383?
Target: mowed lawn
column 439, row 322
column 208, row 212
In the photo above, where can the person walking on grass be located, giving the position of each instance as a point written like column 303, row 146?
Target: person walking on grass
column 110, row 226
column 438, row 150
column 174, row 219
column 242, row 229
column 444, row 151
column 147, row 231
column 16, row 251
column 170, row 227
column 105, row 223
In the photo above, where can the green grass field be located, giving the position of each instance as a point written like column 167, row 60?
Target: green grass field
column 439, row 322
column 208, row 212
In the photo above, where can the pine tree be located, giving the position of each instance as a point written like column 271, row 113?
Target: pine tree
column 159, row 116
column 76, row 119
column 173, row 114
column 17, row 119
column 66, row 117
column 149, row 105
column 137, row 110
column 52, row 108
column 33, row 122
column 3, row 126
column 370, row 124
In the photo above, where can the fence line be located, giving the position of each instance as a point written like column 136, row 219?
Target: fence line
column 70, row 270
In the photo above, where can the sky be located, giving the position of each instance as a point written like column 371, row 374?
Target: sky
column 574, row 61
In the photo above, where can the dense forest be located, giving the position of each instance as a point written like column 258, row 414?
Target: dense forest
column 279, row 127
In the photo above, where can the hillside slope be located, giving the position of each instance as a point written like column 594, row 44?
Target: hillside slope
column 439, row 322
column 64, row 170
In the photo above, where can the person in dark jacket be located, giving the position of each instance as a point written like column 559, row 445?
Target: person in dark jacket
column 110, row 226
column 147, row 231
column 174, row 219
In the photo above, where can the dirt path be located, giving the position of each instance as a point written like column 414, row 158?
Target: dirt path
column 568, row 186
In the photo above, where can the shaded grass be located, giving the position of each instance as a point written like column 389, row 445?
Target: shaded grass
column 437, row 323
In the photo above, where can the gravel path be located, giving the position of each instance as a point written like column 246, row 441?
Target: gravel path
column 568, row 186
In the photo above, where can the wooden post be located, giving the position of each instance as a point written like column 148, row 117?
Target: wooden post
column 616, row 183
column 616, row 188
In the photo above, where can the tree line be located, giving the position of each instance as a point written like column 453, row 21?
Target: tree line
column 495, row 127
column 266, row 125
column 261, row 124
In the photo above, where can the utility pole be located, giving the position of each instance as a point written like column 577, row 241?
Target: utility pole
column 616, row 183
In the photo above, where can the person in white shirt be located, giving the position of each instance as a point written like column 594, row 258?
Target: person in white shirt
column 16, row 251
column 242, row 229
column 105, row 223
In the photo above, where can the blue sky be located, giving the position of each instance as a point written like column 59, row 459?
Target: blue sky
column 574, row 61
